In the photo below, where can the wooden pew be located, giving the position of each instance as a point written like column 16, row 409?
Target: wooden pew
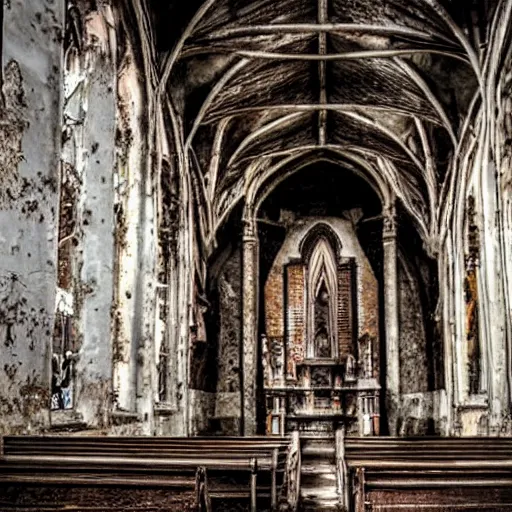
column 431, row 474
column 229, row 465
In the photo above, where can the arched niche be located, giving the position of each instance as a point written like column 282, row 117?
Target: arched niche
column 321, row 250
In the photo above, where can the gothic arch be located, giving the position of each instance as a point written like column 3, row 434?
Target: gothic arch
column 310, row 241
column 321, row 253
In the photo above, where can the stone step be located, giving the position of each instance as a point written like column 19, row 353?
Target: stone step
column 317, row 437
column 318, row 448
column 328, row 493
column 318, row 481
column 323, row 507
column 319, row 499
column 320, row 468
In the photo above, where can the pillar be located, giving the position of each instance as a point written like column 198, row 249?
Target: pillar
column 250, row 272
column 389, row 241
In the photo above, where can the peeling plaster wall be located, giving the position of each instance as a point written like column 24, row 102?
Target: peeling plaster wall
column 135, row 295
column 136, row 231
column 100, row 122
column 30, row 147
column 413, row 350
column 94, row 367
column 127, row 231
column 228, row 398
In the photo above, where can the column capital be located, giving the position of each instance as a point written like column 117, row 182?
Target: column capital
column 250, row 229
column 389, row 222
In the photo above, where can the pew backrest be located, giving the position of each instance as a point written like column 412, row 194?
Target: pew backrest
column 438, row 473
column 166, row 462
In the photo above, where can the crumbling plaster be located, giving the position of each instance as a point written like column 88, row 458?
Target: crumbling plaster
column 89, row 118
column 30, row 133
column 132, row 112
column 228, row 400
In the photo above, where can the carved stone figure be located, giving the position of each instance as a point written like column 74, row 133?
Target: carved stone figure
column 265, row 361
column 350, row 369
column 322, row 345
column 277, row 361
column 272, row 360
column 322, row 342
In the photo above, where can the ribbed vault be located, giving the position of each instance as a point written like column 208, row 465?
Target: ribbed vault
column 261, row 85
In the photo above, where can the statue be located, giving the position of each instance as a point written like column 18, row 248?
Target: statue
column 265, row 361
column 350, row 369
column 322, row 345
column 323, row 323
column 277, row 360
column 272, row 361
column 62, row 380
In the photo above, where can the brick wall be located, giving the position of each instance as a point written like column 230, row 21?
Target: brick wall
column 274, row 303
column 295, row 299
column 345, row 308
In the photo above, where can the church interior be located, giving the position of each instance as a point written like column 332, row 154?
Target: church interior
column 256, row 255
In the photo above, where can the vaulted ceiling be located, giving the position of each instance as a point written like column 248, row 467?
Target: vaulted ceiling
column 264, row 86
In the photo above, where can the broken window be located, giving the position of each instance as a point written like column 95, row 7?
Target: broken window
column 63, row 353
column 64, row 347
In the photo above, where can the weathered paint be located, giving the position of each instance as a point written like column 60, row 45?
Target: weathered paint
column 96, row 209
column 130, row 117
column 30, row 128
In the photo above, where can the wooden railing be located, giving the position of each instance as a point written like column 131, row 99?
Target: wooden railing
column 203, row 503
column 292, row 474
column 341, row 470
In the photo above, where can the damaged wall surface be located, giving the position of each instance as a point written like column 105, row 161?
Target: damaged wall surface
column 133, row 133
column 30, row 124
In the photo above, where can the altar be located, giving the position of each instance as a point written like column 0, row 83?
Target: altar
column 320, row 351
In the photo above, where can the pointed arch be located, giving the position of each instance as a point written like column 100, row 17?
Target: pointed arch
column 321, row 252
column 318, row 231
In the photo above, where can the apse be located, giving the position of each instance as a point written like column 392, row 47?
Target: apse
column 319, row 303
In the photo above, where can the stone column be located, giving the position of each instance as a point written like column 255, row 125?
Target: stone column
column 250, row 272
column 389, row 242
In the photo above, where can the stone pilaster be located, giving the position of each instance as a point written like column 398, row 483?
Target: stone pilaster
column 389, row 242
column 249, row 325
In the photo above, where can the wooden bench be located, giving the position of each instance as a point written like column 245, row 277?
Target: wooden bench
column 431, row 474
column 231, row 468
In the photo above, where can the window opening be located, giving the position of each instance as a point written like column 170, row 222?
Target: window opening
column 63, row 353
